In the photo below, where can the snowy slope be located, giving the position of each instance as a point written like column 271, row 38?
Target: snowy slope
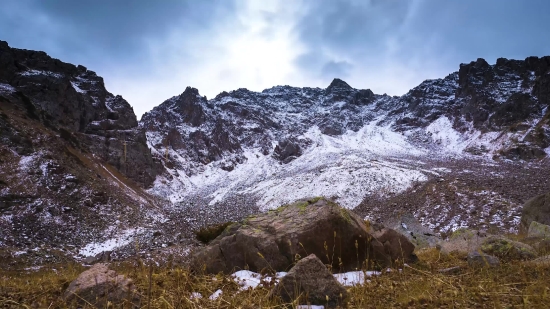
column 286, row 143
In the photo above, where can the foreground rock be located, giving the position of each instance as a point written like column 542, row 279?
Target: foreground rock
column 273, row 241
column 311, row 282
column 508, row 249
column 396, row 245
column 99, row 286
column 480, row 260
column 538, row 230
column 536, row 209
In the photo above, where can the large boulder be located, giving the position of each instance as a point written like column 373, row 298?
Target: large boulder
column 100, row 286
column 273, row 241
column 536, row 209
column 311, row 282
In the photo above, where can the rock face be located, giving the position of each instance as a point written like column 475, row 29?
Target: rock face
column 480, row 260
column 74, row 100
column 276, row 239
column 99, row 286
column 536, row 209
column 311, row 282
column 73, row 161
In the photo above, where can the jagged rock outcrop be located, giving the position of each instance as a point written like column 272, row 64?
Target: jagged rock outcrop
column 73, row 162
column 73, row 100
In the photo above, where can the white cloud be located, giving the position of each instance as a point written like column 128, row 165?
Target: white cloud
column 254, row 49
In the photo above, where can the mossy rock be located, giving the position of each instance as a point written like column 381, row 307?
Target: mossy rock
column 506, row 249
column 209, row 233
column 536, row 209
column 463, row 233
column 539, row 230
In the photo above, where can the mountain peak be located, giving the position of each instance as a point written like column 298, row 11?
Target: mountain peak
column 191, row 91
column 338, row 84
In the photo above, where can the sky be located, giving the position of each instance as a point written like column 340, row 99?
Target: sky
column 148, row 51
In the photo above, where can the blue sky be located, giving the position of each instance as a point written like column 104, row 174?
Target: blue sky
column 148, row 51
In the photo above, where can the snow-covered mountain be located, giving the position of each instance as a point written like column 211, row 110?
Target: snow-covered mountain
column 286, row 143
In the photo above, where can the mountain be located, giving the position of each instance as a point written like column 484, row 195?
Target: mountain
column 80, row 175
column 272, row 147
column 66, row 177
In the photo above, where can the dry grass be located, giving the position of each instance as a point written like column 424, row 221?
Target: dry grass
column 513, row 285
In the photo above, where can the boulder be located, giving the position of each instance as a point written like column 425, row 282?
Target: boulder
column 507, row 249
column 396, row 245
column 311, row 282
column 536, row 209
column 274, row 240
column 480, row 260
column 538, row 230
column 99, row 286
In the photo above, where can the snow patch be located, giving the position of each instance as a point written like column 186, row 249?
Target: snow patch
column 6, row 88
column 122, row 239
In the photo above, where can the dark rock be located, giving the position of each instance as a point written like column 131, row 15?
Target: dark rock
column 396, row 245
column 287, row 150
column 311, row 283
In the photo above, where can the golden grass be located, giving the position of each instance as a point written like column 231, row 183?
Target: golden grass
column 513, row 285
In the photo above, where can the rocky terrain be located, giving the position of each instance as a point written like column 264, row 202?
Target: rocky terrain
column 79, row 174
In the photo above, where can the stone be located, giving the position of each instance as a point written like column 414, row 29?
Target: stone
column 396, row 245
column 538, row 230
column 462, row 241
column 544, row 245
column 536, row 209
column 451, row 270
column 99, row 286
column 480, row 260
column 311, row 282
column 273, row 241
column 507, row 249
column 410, row 227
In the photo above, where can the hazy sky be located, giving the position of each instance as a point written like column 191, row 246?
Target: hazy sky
column 148, row 51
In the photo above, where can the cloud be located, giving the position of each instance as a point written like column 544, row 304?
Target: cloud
column 149, row 51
